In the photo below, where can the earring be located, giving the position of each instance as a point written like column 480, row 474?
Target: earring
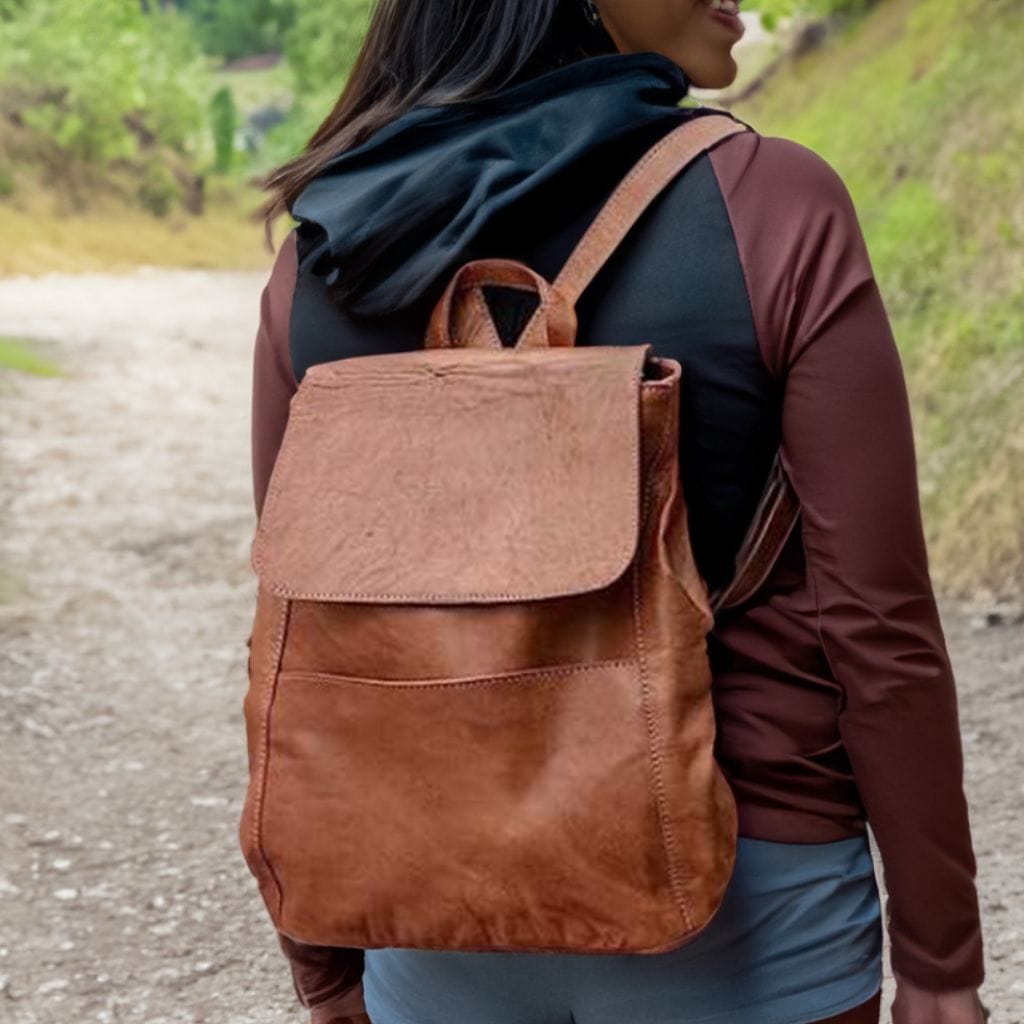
column 592, row 14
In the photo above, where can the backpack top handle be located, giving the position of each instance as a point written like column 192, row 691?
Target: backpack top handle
column 462, row 319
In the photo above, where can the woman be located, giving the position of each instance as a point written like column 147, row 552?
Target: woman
column 474, row 128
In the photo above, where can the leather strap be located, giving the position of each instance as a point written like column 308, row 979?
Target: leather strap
column 462, row 319
column 662, row 163
column 772, row 523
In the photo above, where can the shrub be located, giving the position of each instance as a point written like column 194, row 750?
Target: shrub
column 224, row 124
column 100, row 77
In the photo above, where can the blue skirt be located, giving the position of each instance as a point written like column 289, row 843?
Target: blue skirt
column 797, row 939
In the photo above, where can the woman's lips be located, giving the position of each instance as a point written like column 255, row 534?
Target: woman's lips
column 729, row 17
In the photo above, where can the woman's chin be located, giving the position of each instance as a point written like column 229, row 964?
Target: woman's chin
column 713, row 74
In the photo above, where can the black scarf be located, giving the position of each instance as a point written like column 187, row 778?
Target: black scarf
column 383, row 221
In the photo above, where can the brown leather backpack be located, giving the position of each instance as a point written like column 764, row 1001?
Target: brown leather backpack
column 479, row 714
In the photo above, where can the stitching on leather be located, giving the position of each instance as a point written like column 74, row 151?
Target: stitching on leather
column 668, row 433
column 681, row 146
column 551, row 674
column 288, row 591
column 693, row 144
column 544, row 307
column 503, row 272
column 533, row 324
column 662, row 395
column 654, row 759
column 656, row 457
column 476, row 296
column 263, row 764
column 653, row 746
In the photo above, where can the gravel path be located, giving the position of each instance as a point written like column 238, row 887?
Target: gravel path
column 126, row 509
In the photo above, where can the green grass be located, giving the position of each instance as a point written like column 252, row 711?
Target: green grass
column 115, row 237
column 16, row 354
column 918, row 106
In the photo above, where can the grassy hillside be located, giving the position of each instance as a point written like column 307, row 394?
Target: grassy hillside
column 919, row 109
column 40, row 236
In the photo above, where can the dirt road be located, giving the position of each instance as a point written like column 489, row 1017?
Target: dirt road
column 126, row 519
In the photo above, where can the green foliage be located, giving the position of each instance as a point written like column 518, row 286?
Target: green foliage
column 324, row 41
column 771, row 11
column 239, row 28
column 224, row 123
column 912, row 215
column 321, row 47
column 16, row 354
column 99, row 78
column 158, row 191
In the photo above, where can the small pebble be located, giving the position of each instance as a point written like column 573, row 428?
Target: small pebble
column 52, row 986
column 47, row 839
column 207, row 801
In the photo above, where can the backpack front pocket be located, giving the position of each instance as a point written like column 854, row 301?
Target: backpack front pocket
column 466, row 813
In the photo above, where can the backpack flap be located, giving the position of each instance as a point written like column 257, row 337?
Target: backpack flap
column 457, row 475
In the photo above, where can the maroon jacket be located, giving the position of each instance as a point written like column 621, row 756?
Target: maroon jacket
column 835, row 700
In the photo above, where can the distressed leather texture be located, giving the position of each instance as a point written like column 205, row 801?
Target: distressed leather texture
column 459, row 474
column 479, row 687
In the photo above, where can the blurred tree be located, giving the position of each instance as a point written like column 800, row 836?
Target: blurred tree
column 324, row 40
column 321, row 47
column 240, row 28
column 99, row 78
column 224, row 123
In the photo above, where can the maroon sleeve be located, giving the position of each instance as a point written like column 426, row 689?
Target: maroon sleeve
column 272, row 378
column 327, row 979
column 848, row 446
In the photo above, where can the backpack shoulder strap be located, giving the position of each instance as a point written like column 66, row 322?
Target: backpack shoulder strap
column 657, row 168
column 778, row 508
column 772, row 523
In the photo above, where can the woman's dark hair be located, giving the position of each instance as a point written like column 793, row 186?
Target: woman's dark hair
column 437, row 52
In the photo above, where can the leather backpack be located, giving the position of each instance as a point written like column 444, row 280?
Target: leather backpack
column 479, row 712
